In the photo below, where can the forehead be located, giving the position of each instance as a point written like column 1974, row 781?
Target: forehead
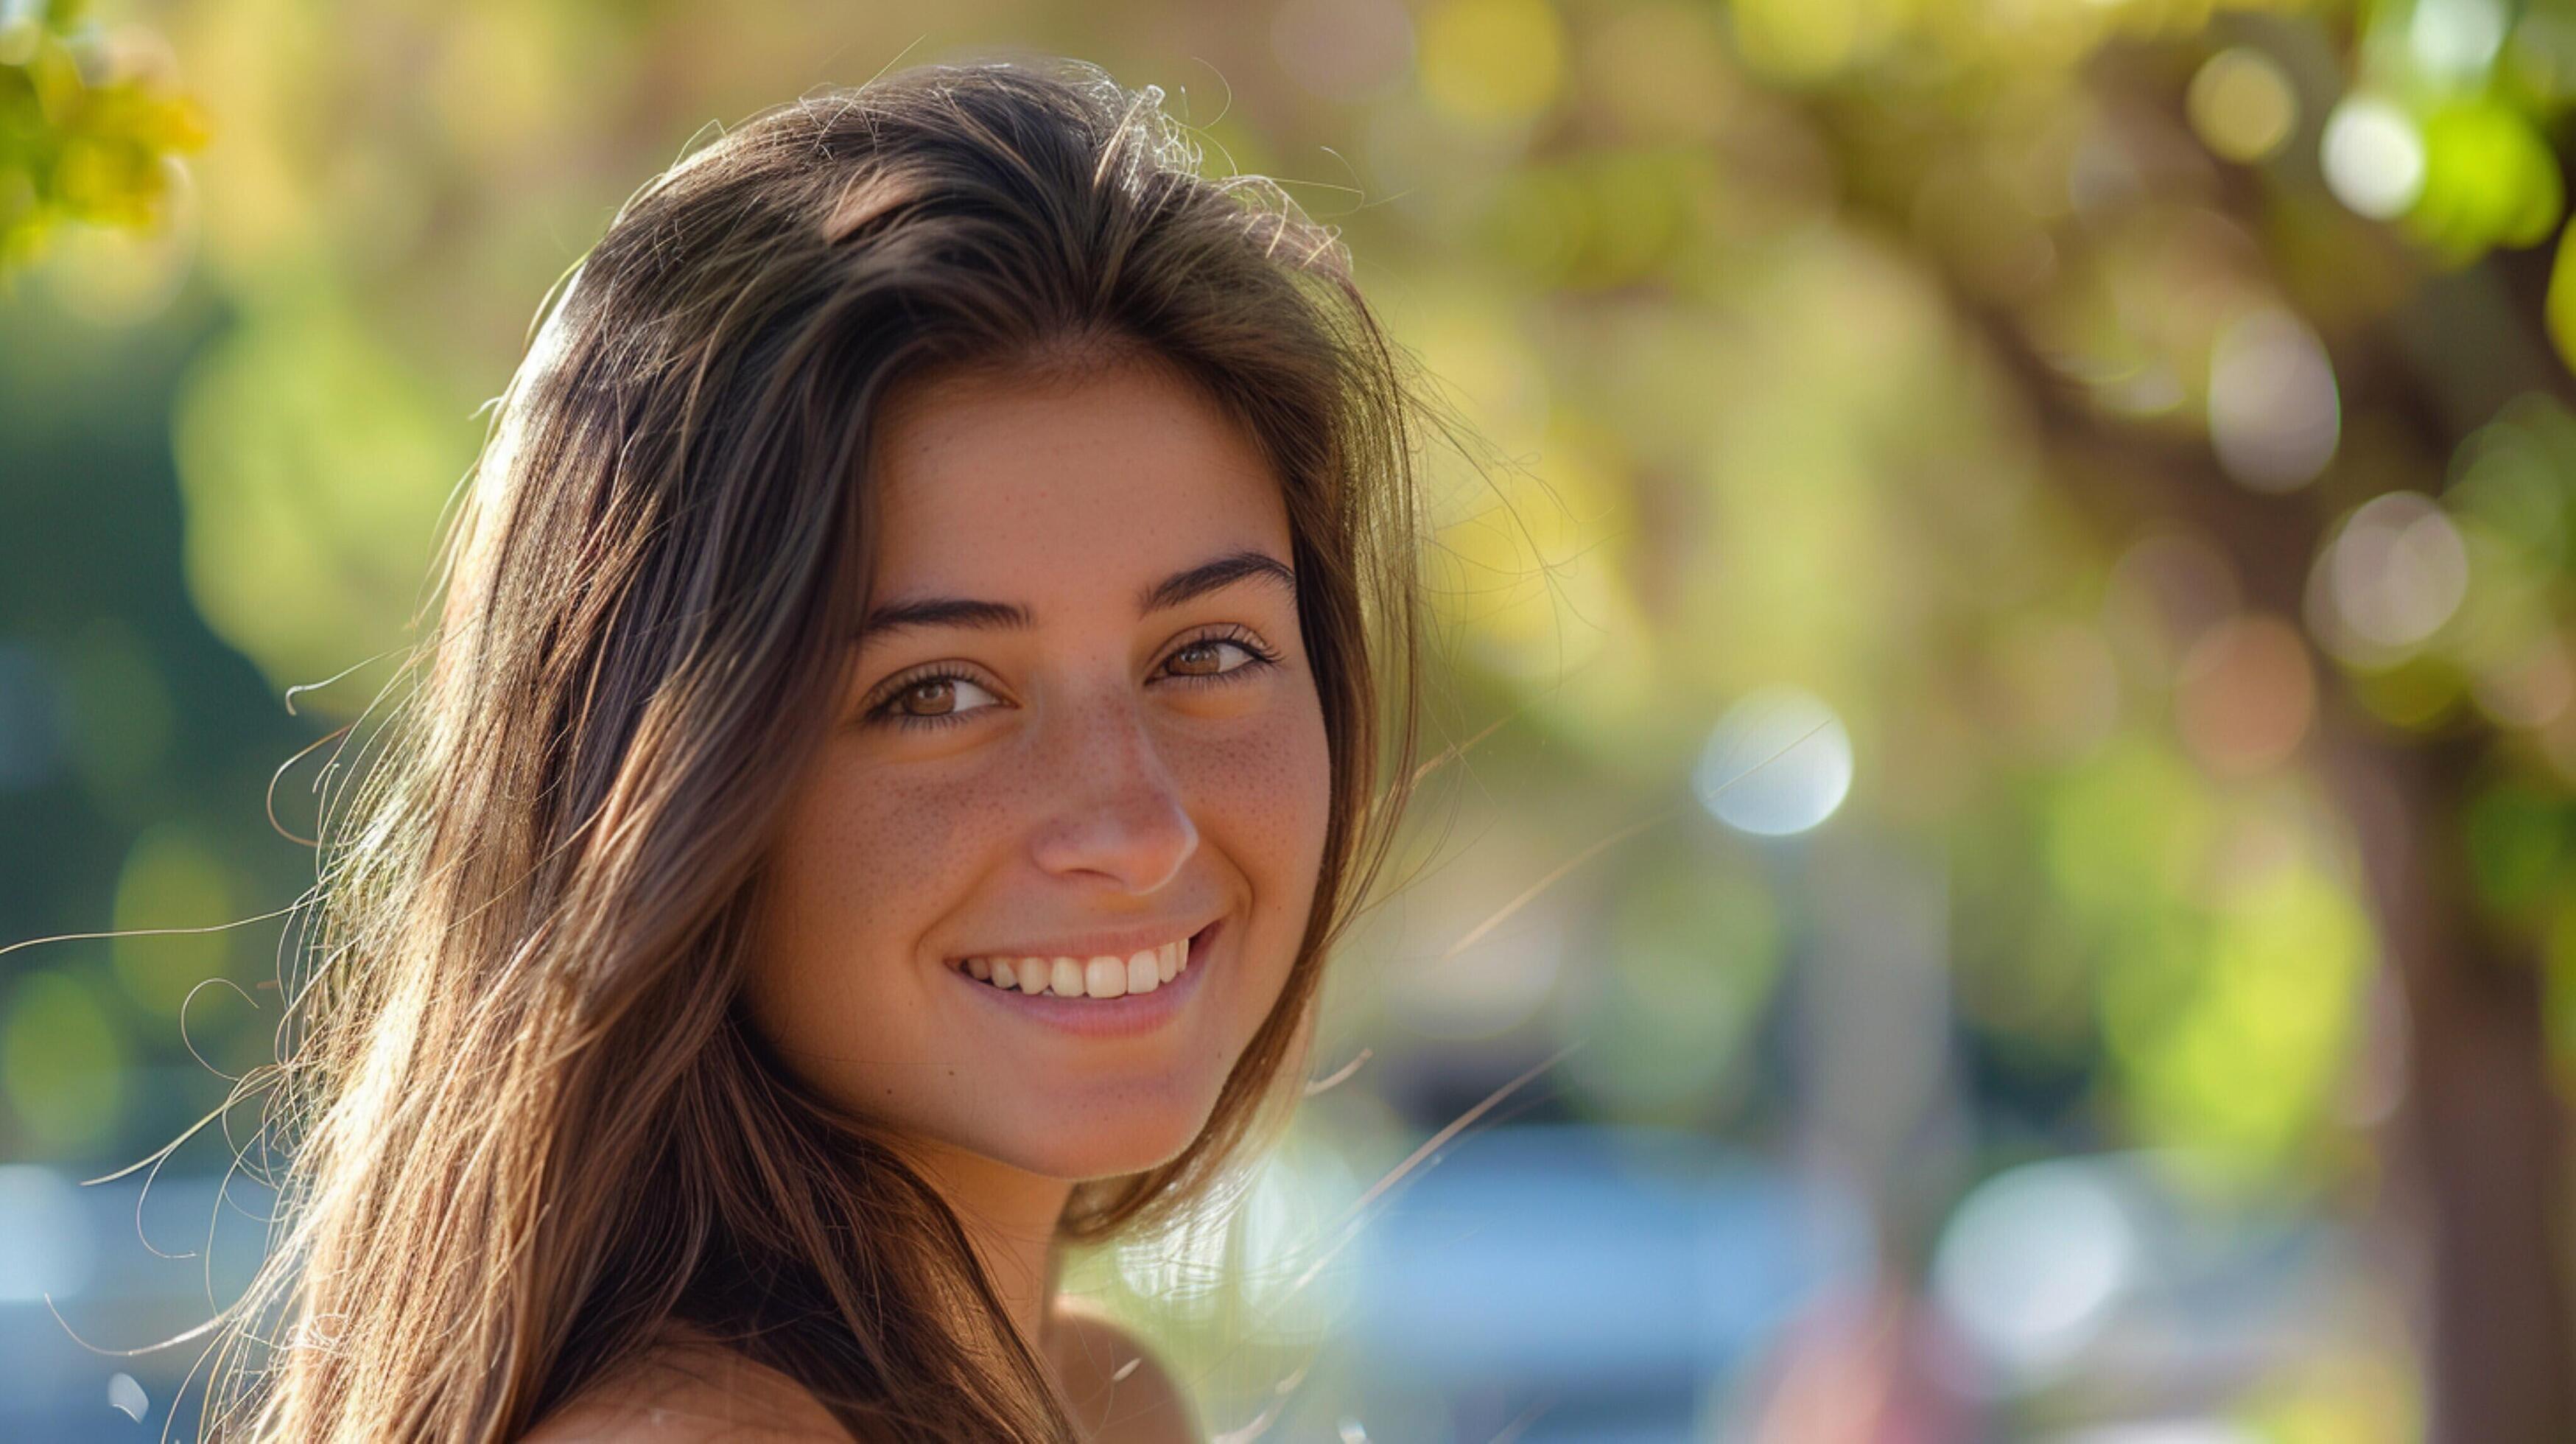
column 1042, row 484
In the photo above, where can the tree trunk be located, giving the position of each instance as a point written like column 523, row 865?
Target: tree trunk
column 2479, row 1125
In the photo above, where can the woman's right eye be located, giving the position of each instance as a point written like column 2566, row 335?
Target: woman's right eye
column 931, row 701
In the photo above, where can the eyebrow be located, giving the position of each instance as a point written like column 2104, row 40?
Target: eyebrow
column 1171, row 591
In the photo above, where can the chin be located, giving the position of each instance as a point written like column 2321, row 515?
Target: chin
column 1104, row 1148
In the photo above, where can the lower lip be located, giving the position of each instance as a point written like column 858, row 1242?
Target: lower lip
column 1128, row 1015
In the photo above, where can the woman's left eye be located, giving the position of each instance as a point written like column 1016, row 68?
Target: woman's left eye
column 1212, row 649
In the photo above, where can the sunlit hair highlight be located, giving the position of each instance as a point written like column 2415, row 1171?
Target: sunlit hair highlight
column 533, row 1136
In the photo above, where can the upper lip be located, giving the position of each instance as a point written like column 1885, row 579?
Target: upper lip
column 1118, row 942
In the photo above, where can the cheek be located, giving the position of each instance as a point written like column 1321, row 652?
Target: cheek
column 864, row 841
column 863, row 864
column 1265, row 802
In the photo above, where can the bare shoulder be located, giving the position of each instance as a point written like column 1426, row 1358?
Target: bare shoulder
column 1120, row 1392
column 691, row 1394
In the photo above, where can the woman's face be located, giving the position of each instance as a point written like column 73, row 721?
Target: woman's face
column 1079, row 726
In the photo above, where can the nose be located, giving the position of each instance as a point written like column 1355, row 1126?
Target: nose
column 1118, row 814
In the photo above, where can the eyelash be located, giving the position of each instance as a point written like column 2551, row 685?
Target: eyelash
column 888, row 710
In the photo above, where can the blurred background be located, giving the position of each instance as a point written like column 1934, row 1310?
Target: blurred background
column 2002, row 864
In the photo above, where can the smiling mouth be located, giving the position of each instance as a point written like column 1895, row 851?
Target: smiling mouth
column 1104, row 975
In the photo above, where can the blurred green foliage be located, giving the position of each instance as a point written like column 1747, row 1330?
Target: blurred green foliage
column 88, row 130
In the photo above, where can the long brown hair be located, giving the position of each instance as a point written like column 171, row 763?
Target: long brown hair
column 534, row 1132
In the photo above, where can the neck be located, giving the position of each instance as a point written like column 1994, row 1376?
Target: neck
column 1009, row 1215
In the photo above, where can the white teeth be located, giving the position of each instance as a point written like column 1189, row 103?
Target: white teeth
column 1105, row 976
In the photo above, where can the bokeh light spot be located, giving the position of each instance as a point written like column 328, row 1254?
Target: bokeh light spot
column 45, row 1245
column 1779, row 762
column 2456, row 38
column 171, row 880
column 2245, row 695
column 2373, row 157
column 63, row 1063
column 2242, row 104
column 2396, row 570
column 2532, row 688
column 2274, row 415
column 1252, row 1248
column 2490, row 179
column 2032, row 1262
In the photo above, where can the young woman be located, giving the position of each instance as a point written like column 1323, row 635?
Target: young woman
column 927, row 670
